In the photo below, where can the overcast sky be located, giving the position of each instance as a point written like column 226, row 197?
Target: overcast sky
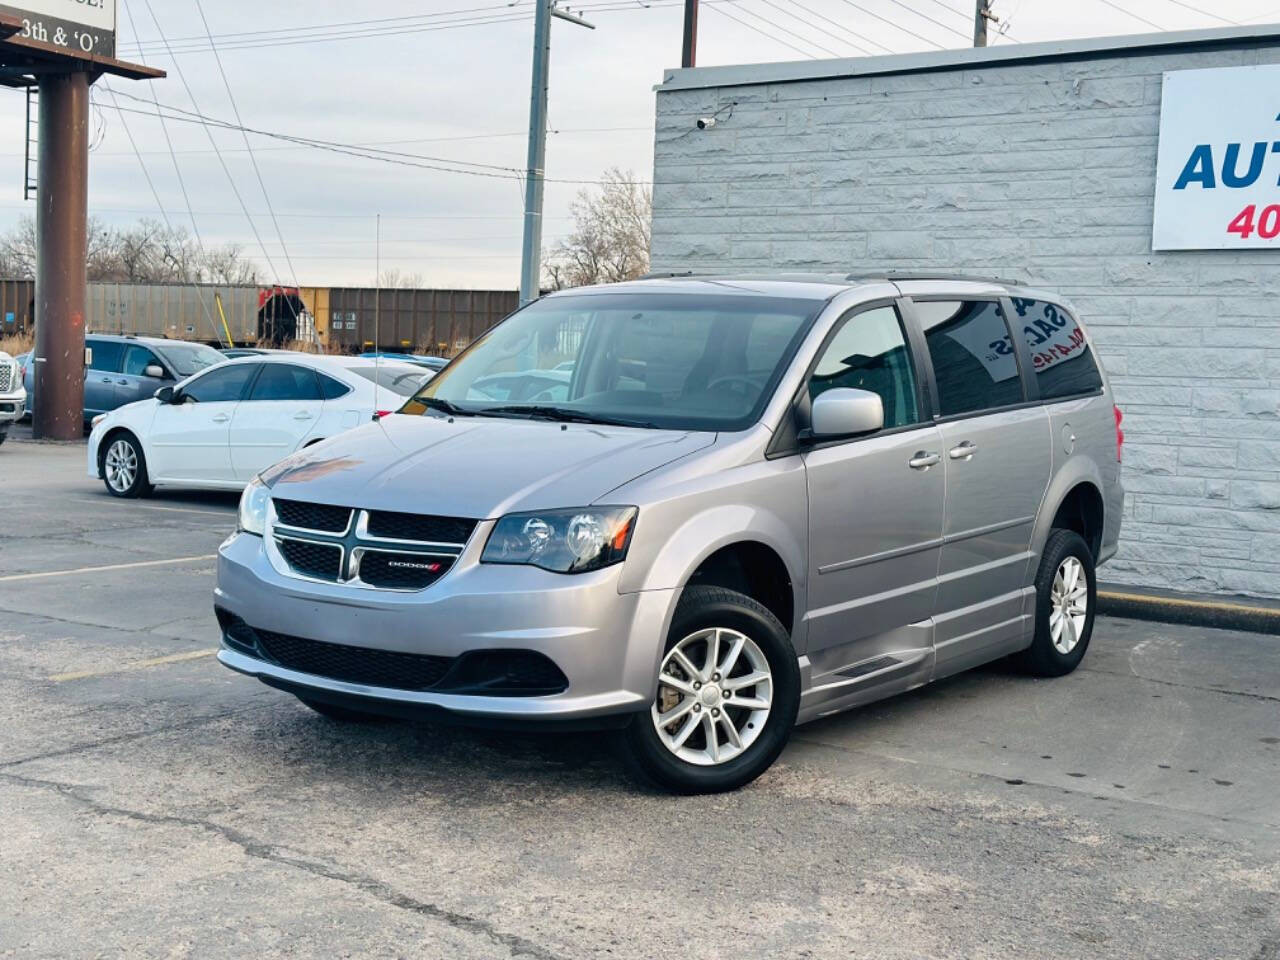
column 453, row 83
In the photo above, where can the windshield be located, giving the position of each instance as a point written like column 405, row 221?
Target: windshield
column 678, row 361
column 188, row 358
column 399, row 378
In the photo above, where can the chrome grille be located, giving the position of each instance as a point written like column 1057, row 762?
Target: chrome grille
column 312, row 516
column 7, row 371
column 320, row 560
column 382, row 550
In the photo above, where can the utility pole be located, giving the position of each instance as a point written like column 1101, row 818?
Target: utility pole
column 981, row 15
column 690, row 56
column 531, row 258
column 62, row 205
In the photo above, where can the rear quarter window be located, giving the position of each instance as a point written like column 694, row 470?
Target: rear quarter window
column 1064, row 363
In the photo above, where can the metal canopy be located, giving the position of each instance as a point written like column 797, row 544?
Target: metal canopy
column 22, row 60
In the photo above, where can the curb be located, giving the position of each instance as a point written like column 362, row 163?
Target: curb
column 1192, row 610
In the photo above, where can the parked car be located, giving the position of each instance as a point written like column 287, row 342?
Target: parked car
column 13, row 397
column 760, row 502
column 222, row 426
column 124, row 369
column 234, row 353
column 422, row 360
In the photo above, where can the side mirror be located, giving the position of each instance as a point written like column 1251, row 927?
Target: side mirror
column 153, row 370
column 845, row 412
column 164, row 395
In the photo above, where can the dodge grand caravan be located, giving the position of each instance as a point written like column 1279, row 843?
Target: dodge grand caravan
column 744, row 504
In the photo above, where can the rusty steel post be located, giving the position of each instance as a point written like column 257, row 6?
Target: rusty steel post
column 62, row 210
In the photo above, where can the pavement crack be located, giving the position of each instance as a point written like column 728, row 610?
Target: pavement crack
column 113, row 741
column 252, row 847
column 1264, row 697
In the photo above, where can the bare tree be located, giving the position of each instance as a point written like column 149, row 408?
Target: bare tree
column 147, row 252
column 404, row 281
column 610, row 237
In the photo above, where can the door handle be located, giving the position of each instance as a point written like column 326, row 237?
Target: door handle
column 221, row 418
column 123, row 383
column 923, row 460
column 302, row 415
column 964, row 451
column 106, row 379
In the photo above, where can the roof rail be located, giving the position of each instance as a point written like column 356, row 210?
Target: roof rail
column 667, row 274
column 931, row 275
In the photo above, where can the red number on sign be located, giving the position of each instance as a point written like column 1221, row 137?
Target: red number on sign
column 1243, row 223
column 1269, row 222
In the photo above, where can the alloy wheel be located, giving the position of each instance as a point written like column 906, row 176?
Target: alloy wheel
column 1068, row 605
column 121, row 465
column 715, row 691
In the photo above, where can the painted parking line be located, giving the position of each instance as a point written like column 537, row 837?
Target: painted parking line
column 150, row 506
column 136, row 665
column 109, row 566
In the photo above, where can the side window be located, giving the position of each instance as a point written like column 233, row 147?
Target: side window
column 107, row 355
column 973, row 360
column 222, row 384
column 284, row 381
column 1061, row 356
column 870, row 353
column 137, row 359
column 331, row 389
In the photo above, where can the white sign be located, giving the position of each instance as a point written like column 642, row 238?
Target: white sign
column 77, row 27
column 1218, row 170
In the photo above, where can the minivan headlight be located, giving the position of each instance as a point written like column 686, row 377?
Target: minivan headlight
column 564, row 541
column 252, row 517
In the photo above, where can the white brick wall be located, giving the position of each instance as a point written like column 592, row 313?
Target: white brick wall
column 1040, row 170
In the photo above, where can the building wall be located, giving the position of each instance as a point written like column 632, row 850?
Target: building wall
column 1044, row 171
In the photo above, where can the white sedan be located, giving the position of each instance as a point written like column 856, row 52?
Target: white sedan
column 220, row 428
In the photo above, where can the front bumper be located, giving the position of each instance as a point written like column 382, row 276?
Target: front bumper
column 608, row 644
column 12, row 407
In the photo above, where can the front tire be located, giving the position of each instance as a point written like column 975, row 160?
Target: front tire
column 728, row 694
column 1066, row 599
column 123, row 467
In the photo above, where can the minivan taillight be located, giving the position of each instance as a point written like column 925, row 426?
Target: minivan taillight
column 1119, row 434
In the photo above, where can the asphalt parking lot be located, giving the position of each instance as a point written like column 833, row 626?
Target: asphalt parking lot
column 155, row 804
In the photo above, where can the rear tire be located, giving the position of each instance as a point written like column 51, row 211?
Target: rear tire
column 343, row 714
column 737, row 722
column 123, row 467
column 1066, row 600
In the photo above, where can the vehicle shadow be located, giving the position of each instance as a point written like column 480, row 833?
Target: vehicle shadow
column 483, row 765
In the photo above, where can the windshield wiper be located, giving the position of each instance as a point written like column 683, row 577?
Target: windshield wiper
column 445, row 406
column 563, row 414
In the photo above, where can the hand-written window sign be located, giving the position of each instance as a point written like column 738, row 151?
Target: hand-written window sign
column 1218, row 169
column 1049, row 331
column 76, row 27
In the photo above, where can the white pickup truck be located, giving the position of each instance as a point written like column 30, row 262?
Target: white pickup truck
column 13, row 396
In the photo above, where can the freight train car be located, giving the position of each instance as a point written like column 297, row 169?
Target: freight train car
column 17, row 306
column 443, row 322
column 344, row 319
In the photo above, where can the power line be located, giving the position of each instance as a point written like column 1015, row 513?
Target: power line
column 177, row 169
column 778, row 26
column 751, row 26
column 1207, row 13
column 896, row 26
column 1130, row 13
column 925, row 16
column 837, row 23
column 214, row 143
column 950, row 9
column 252, row 159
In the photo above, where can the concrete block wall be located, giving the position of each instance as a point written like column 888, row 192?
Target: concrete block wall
column 1043, row 170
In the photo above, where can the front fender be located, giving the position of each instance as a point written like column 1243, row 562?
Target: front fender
column 766, row 502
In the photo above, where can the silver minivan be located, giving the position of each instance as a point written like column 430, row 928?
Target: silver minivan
column 740, row 504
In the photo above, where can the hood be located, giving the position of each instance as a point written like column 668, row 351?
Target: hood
column 475, row 467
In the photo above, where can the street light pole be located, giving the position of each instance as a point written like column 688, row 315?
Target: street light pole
column 531, row 257
column 689, row 57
